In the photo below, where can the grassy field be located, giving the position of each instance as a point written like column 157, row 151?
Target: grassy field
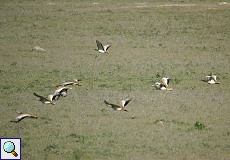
column 184, row 40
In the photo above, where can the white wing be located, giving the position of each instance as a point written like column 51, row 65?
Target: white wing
column 50, row 97
column 214, row 77
column 60, row 89
column 165, row 81
column 125, row 102
column 106, row 47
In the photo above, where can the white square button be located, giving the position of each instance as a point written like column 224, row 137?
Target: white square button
column 10, row 148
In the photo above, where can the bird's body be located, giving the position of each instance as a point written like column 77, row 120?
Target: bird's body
column 62, row 91
column 53, row 97
column 48, row 100
column 212, row 79
column 21, row 116
column 160, row 86
column 165, row 81
column 163, row 84
column 121, row 106
column 102, row 48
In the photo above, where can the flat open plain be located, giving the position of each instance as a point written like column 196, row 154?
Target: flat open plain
column 184, row 40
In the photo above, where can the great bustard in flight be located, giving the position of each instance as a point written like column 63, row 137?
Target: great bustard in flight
column 163, row 84
column 102, row 48
column 21, row 116
column 49, row 99
column 62, row 91
column 67, row 83
column 121, row 106
column 212, row 79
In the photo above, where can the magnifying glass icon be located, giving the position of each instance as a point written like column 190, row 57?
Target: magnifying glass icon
column 9, row 147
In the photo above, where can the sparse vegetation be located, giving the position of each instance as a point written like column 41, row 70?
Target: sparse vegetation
column 183, row 40
column 199, row 126
column 77, row 154
column 51, row 148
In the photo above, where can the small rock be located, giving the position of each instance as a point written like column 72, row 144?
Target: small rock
column 160, row 122
column 222, row 3
column 39, row 49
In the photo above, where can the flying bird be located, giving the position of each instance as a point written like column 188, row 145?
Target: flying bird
column 163, row 84
column 49, row 99
column 212, row 79
column 21, row 116
column 67, row 83
column 74, row 82
column 121, row 106
column 62, row 91
column 101, row 48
